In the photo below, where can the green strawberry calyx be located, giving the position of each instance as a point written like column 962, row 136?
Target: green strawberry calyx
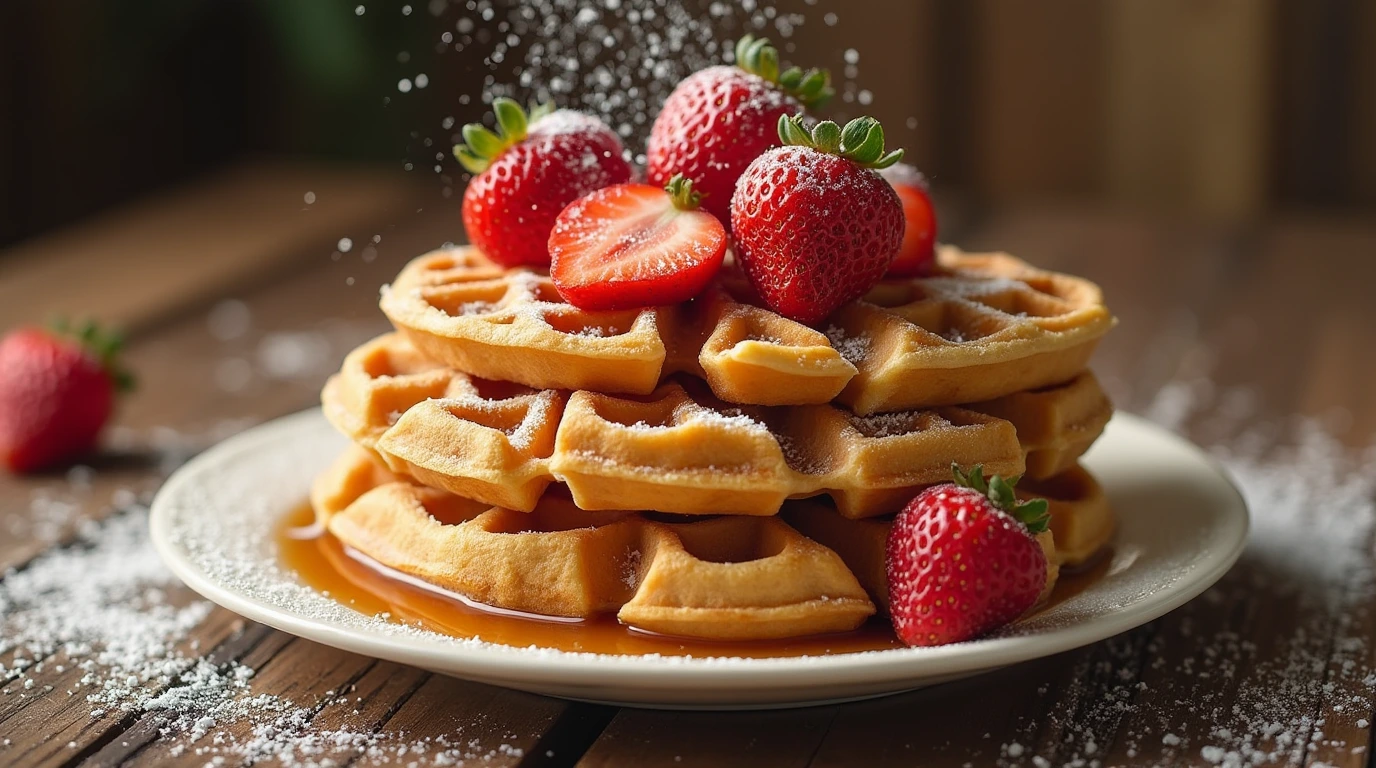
column 812, row 88
column 481, row 145
column 682, row 194
column 99, row 343
column 1034, row 514
column 861, row 141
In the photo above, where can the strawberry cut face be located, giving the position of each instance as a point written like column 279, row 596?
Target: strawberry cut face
column 628, row 246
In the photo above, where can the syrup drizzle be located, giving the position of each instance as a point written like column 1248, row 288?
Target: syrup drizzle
column 353, row 579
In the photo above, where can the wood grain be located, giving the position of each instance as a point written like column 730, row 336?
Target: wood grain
column 1280, row 310
column 129, row 267
column 1188, row 88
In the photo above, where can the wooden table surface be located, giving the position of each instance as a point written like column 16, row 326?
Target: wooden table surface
column 211, row 278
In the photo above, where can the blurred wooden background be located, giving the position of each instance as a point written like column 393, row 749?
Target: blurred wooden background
column 1221, row 109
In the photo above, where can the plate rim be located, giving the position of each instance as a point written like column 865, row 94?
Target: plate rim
column 491, row 662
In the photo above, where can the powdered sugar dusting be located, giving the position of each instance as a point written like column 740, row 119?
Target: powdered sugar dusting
column 111, row 609
column 1308, row 559
column 853, row 348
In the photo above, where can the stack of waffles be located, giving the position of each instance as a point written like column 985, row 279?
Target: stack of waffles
column 708, row 470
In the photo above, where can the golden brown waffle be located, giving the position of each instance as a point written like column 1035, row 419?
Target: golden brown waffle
column 719, row 578
column 1056, row 424
column 1081, row 517
column 462, row 310
column 982, row 327
column 677, row 450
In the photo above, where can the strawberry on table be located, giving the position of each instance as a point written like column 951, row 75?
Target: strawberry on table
column 815, row 225
column 918, row 252
column 527, row 172
column 56, row 393
column 721, row 118
column 635, row 245
column 962, row 560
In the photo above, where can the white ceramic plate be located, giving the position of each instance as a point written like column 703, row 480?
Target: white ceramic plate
column 1181, row 525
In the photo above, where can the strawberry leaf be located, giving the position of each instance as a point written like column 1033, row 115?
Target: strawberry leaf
column 792, row 132
column 758, row 57
column 869, row 146
column 483, row 142
column 861, row 141
column 826, row 136
column 511, row 119
column 888, row 160
column 1034, row 514
column 853, row 135
column 103, row 345
column 481, row 145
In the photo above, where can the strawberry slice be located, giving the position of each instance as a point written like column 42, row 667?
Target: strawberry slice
column 918, row 252
column 635, row 245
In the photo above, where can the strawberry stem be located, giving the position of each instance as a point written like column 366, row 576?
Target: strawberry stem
column 999, row 491
column 861, row 141
column 682, row 194
column 812, row 88
column 481, row 145
column 103, row 345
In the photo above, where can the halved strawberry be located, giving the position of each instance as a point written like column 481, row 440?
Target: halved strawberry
column 918, row 252
column 635, row 245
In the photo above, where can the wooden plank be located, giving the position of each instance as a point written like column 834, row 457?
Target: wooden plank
column 1038, row 93
column 56, row 726
column 1187, row 104
column 321, row 306
column 134, row 265
column 1362, row 149
column 230, row 363
column 646, row 737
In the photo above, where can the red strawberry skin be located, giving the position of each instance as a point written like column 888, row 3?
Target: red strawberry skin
column 918, row 252
column 54, row 399
column 813, row 230
column 958, row 567
column 713, row 125
column 510, row 208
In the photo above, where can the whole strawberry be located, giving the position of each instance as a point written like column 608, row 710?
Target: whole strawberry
column 918, row 252
column 962, row 560
column 527, row 172
column 815, row 226
column 56, row 393
column 721, row 118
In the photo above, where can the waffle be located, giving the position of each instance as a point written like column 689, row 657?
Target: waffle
column 462, row 310
column 1080, row 515
column 1080, row 528
column 724, row 578
column 1055, row 424
column 678, row 450
column 982, row 327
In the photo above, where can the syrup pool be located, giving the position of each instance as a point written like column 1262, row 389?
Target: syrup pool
column 355, row 580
